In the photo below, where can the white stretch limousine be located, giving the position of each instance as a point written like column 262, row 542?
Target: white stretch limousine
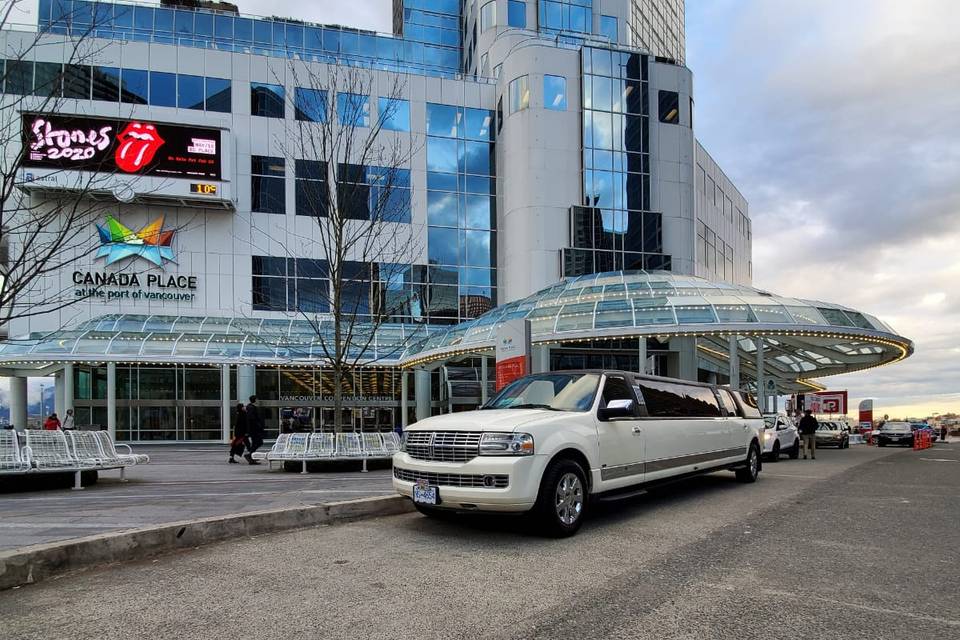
column 548, row 443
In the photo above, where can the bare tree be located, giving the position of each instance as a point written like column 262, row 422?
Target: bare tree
column 42, row 215
column 353, row 180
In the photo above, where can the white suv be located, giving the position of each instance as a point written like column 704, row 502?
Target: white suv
column 780, row 436
column 548, row 443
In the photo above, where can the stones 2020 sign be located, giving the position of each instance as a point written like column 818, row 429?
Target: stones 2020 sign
column 134, row 147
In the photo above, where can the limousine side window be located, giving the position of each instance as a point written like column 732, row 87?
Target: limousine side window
column 672, row 400
column 616, row 388
column 750, row 408
column 729, row 404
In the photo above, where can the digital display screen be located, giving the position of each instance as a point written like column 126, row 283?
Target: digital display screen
column 134, row 147
column 203, row 189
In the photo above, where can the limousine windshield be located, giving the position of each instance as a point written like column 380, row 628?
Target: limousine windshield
column 552, row 391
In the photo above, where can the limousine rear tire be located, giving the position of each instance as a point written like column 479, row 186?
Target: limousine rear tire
column 750, row 471
column 562, row 501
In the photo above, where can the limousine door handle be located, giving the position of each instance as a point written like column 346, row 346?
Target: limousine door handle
column 637, row 431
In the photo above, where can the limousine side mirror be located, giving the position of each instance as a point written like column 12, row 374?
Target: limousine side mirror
column 616, row 409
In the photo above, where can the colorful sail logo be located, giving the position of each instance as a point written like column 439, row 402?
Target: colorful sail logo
column 151, row 243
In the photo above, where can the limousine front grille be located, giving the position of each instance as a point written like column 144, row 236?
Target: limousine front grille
column 443, row 446
column 499, row 481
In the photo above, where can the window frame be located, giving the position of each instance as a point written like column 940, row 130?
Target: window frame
column 548, row 104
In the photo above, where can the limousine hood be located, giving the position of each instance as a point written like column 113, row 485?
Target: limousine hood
column 486, row 420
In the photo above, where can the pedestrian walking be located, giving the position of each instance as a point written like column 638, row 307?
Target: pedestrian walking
column 943, row 433
column 67, row 420
column 808, row 433
column 52, row 423
column 240, row 439
column 255, row 429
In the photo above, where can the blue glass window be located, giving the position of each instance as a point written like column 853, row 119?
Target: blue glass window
column 353, row 109
column 190, row 92
column 479, row 249
column 163, row 89
column 608, row 27
column 135, row 87
column 477, row 158
column 223, row 27
column 266, row 100
column 268, row 191
column 395, row 114
column 442, row 209
column 555, row 93
column 519, row 94
column 143, row 18
column 243, row 29
column 443, row 246
column 488, row 15
column 443, row 155
column 310, row 105
column 477, row 124
column 218, row 95
column 163, row 20
column 76, row 81
column 203, row 24
column 311, row 188
column 443, row 120
column 517, row 14
column 183, row 23
column 106, row 84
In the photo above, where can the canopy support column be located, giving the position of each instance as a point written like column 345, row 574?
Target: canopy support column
column 421, row 392
column 642, row 354
column 225, row 402
column 687, row 356
column 67, row 387
column 404, row 398
column 246, row 382
column 58, row 395
column 112, row 400
column 734, row 362
column 18, row 403
column 483, row 380
column 761, row 378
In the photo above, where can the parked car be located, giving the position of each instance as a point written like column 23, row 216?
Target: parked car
column 923, row 426
column 895, row 433
column 550, row 444
column 780, row 436
column 833, row 434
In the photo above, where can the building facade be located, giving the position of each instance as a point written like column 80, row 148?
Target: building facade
column 547, row 139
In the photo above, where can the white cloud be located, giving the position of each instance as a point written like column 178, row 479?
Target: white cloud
column 838, row 122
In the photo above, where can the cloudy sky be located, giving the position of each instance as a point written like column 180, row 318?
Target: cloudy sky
column 840, row 123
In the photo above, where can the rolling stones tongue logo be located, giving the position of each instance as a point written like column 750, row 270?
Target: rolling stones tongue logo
column 136, row 146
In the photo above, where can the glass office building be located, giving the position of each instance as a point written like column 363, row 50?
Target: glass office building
column 545, row 141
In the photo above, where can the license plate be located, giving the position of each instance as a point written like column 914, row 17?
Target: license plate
column 895, row 439
column 423, row 493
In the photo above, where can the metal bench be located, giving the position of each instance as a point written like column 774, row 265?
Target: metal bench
column 85, row 445
column 373, row 445
column 109, row 449
column 11, row 460
column 48, row 453
column 391, row 442
column 348, row 445
column 278, row 448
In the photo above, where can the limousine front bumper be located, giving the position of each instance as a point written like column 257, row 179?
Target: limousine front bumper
column 485, row 483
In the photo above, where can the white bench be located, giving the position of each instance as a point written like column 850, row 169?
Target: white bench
column 312, row 447
column 76, row 452
column 11, row 460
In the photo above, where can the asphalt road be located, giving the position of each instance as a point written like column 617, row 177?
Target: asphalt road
column 861, row 543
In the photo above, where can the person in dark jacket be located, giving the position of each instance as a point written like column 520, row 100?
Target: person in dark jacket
column 240, row 439
column 255, row 429
column 808, row 433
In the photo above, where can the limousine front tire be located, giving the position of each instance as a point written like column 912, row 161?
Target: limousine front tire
column 751, row 469
column 562, row 500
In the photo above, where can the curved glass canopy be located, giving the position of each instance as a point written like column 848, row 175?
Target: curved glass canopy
column 806, row 338
column 802, row 339
column 208, row 340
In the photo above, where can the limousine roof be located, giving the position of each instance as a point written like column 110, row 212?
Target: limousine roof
column 802, row 339
column 644, row 376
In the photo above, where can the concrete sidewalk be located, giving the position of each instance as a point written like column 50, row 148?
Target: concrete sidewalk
column 182, row 482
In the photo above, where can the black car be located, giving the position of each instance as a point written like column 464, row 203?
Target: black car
column 895, row 433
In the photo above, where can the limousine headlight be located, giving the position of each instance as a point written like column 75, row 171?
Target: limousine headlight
column 506, row 444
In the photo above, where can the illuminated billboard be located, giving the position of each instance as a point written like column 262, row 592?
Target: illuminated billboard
column 132, row 147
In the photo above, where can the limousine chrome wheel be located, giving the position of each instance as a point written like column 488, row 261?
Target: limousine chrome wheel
column 569, row 503
column 562, row 501
column 750, row 471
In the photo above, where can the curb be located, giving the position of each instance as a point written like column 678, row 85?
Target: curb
column 29, row 565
